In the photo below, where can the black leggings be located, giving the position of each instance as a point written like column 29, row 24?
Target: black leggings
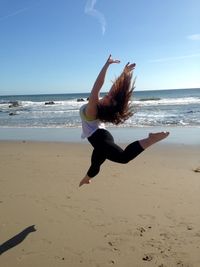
column 105, row 148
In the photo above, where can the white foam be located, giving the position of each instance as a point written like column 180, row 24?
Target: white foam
column 168, row 101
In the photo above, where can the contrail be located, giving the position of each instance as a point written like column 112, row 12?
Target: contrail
column 90, row 10
column 194, row 37
column 14, row 13
column 174, row 58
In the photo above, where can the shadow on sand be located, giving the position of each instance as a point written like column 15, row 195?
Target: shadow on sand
column 17, row 239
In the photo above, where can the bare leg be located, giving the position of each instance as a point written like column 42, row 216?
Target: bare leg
column 85, row 180
column 153, row 138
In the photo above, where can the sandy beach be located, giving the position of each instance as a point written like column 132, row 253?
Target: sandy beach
column 145, row 213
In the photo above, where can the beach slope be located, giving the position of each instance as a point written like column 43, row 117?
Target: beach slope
column 145, row 213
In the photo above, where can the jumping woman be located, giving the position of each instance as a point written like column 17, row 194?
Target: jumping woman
column 115, row 108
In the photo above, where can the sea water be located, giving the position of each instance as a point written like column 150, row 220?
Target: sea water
column 156, row 108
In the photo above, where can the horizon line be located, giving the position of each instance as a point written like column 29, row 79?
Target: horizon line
column 141, row 90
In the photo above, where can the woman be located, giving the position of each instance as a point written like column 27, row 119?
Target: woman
column 115, row 108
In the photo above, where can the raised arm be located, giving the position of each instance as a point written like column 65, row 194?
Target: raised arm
column 91, row 108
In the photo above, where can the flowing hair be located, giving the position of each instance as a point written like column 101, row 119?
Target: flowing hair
column 119, row 108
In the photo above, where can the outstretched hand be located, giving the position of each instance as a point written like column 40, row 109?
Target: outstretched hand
column 110, row 60
column 129, row 67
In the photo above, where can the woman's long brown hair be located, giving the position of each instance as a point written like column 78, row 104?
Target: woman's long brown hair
column 120, row 108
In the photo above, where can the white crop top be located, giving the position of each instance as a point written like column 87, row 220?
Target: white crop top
column 89, row 126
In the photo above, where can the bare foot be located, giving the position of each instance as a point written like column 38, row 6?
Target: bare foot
column 153, row 138
column 156, row 137
column 85, row 180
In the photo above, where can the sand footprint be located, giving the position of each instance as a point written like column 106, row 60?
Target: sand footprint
column 197, row 169
column 147, row 257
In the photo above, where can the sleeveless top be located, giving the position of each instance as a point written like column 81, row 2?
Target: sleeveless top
column 89, row 126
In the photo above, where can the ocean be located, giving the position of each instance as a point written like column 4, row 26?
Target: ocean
column 172, row 108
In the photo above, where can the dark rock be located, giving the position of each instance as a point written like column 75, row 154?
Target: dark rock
column 12, row 113
column 80, row 100
column 49, row 103
column 14, row 104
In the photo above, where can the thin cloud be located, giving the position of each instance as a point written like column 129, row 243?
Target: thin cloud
column 14, row 13
column 194, row 37
column 90, row 10
column 174, row 58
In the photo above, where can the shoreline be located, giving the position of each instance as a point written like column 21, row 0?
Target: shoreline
column 178, row 135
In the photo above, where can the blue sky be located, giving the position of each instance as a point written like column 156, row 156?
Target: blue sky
column 49, row 46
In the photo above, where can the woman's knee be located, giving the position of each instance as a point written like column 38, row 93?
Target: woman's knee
column 125, row 161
